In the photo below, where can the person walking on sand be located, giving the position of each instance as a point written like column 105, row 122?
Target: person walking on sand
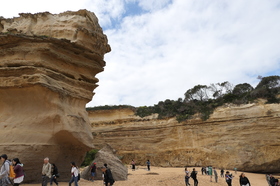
column 18, row 171
column 210, row 173
column 108, row 177
column 148, row 165
column 243, row 180
column 74, row 174
column 55, row 174
column 228, row 178
column 215, row 174
column 222, row 173
column 46, row 172
column 194, row 177
column 187, row 177
column 202, row 170
column 133, row 165
column 4, row 171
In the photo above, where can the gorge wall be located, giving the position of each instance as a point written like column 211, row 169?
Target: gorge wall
column 246, row 137
column 48, row 64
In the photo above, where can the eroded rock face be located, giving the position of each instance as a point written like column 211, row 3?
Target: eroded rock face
column 48, row 65
column 107, row 155
column 246, row 137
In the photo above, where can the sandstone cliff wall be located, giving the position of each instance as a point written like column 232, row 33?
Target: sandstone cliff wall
column 246, row 137
column 48, row 65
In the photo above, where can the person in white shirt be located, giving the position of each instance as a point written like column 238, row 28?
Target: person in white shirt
column 74, row 173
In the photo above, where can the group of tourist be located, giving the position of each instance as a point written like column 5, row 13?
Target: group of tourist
column 11, row 172
column 148, row 163
column 272, row 181
column 243, row 180
column 50, row 173
column 210, row 171
column 107, row 175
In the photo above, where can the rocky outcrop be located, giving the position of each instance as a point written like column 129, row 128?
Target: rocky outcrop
column 107, row 155
column 48, row 65
column 245, row 136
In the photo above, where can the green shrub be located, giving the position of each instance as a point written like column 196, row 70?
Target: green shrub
column 89, row 157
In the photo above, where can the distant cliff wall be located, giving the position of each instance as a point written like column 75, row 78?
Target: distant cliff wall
column 246, row 137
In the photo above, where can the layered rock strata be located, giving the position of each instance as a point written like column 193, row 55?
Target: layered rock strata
column 245, row 137
column 48, row 65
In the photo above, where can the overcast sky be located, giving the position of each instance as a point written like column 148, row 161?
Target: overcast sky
column 162, row 48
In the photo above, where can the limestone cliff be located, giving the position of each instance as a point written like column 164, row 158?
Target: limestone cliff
column 246, row 137
column 48, row 65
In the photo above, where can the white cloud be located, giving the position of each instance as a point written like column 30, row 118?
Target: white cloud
column 163, row 53
column 175, row 45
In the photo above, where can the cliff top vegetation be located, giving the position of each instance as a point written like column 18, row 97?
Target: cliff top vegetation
column 203, row 99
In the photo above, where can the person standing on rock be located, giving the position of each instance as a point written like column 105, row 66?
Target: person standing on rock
column 215, row 175
column 93, row 171
column 18, row 171
column 46, row 172
column 148, row 164
column 108, row 177
column 243, row 180
column 187, row 177
column 4, row 171
column 194, row 177
column 133, row 165
column 228, row 178
column 74, row 174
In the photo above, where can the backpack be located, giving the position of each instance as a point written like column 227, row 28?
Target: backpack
column 12, row 173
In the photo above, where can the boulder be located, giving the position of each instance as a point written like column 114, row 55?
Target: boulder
column 107, row 155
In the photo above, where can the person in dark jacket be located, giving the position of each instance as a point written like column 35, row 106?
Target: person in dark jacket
column 228, row 178
column 243, row 180
column 55, row 174
column 272, row 180
column 93, row 171
column 108, row 177
column 194, row 177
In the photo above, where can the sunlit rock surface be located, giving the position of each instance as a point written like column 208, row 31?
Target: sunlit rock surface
column 48, row 64
column 245, row 137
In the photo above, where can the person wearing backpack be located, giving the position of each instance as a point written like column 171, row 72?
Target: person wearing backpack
column 19, row 174
column 194, row 177
column 55, row 174
column 74, row 174
column 4, row 171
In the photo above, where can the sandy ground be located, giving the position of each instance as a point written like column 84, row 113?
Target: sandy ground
column 159, row 176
